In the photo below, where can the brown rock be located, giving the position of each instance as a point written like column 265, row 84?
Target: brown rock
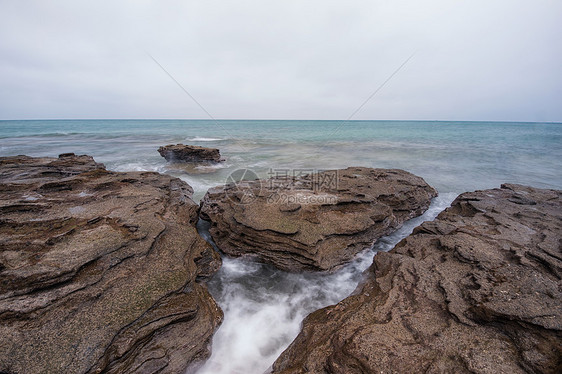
column 189, row 153
column 476, row 291
column 100, row 271
column 313, row 222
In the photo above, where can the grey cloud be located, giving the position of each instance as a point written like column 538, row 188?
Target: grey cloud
column 475, row 60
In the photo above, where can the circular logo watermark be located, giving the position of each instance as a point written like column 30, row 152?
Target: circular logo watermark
column 241, row 186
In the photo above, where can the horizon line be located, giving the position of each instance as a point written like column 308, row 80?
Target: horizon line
column 272, row 119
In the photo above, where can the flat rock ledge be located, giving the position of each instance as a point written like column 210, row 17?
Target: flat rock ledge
column 189, row 153
column 100, row 271
column 478, row 290
column 314, row 222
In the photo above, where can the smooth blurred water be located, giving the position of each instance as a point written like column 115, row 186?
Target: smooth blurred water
column 452, row 156
column 264, row 306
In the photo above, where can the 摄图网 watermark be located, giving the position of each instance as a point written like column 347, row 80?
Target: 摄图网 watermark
column 284, row 186
column 301, row 199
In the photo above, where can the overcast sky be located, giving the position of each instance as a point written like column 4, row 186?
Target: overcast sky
column 320, row 59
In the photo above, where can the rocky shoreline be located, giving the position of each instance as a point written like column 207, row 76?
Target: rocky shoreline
column 100, row 271
column 317, row 221
column 478, row 290
column 103, row 271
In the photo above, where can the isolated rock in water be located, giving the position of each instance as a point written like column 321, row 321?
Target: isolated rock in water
column 313, row 222
column 478, row 290
column 100, row 271
column 189, row 153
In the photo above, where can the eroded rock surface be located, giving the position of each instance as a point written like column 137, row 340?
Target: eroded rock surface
column 100, row 271
column 313, row 222
column 189, row 153
column 476, row 291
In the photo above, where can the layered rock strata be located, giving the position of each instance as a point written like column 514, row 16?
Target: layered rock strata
column 478, row 290
column 313, row 222
column 100, row 271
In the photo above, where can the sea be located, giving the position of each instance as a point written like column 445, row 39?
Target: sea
column 263, row 306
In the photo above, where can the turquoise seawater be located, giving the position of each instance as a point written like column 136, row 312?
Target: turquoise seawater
column 263, row 306
column 452, row 156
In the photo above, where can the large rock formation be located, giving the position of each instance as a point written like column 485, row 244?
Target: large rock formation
column 100, row 271
column 476, row 291
column 189, row 153
column 313, row 222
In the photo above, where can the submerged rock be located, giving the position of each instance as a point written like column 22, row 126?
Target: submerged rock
column 478, row 290
column 313, row 222
column 100, row 271
column 189, row 153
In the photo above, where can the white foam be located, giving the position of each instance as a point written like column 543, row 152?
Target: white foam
column 264, row 307
column 203, row 139
column 437, row 206
column 138, row 166
column 218, row 165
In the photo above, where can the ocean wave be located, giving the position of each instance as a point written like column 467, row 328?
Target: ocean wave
column 136, row 166
column 203, row 139
column 41, row 135
column 218, row 165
